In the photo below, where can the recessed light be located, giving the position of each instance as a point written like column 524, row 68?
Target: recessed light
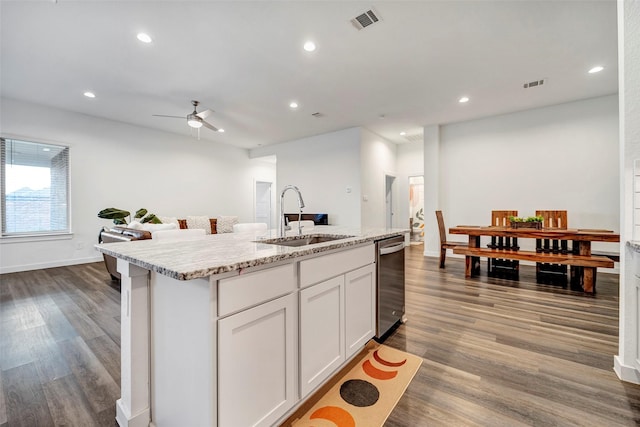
column 221, row 130
column 596, row 69
column 89, row 94
column 309, row 46
column 46, row 149
column 293, row 104
column 403, row 133
column 463, row 99
column 144, row 38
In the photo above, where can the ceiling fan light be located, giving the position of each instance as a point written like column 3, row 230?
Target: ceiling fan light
column 194, row 123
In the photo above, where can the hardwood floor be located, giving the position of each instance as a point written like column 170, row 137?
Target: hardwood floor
column 59, row 347
column 505, row 353
column 496, row 352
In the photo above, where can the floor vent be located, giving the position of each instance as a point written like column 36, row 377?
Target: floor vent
column 364, row 20
column 534, row 83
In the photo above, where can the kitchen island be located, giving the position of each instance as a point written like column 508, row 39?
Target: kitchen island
column 239, row 329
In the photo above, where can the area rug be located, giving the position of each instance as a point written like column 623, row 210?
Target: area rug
column 367, row 393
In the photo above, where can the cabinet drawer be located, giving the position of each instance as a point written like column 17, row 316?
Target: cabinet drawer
column 246, row 290
column 316, row 270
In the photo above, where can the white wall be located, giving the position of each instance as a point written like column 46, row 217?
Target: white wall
column 625, row 363
column 322, row 167
column 114, row 164
column 377, row 159
column 558, row 157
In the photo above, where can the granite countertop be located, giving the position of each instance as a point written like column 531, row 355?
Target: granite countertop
column 634, row 244
column 219, row 253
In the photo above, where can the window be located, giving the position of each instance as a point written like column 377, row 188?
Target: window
column 35, row 188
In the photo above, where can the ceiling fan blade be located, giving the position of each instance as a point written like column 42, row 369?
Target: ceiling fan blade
column 210, row 126
column 204, row 114
column 163, row 115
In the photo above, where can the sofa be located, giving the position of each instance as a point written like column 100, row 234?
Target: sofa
column 137, row 231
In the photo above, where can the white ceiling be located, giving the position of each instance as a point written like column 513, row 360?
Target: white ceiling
column 245, row 61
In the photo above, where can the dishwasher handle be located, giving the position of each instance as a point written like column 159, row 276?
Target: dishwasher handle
column 386, row 250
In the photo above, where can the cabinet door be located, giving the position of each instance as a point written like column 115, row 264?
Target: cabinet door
column 360, row 309
column 321, row 332
column 256, row 367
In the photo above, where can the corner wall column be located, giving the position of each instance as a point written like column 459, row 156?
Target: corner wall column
column 431, row 189
column 133, row 407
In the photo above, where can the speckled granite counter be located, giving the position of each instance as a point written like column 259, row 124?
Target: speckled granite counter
column 634, row 244
column 219, row 253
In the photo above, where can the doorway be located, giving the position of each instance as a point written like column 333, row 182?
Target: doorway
column 389, row 181
column 416, row 208
column 263, row 202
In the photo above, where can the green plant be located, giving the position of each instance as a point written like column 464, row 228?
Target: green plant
column 527, row 219
column 419, row 218
column 119, row 216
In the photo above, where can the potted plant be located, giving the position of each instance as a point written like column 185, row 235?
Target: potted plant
column 528, row 222
column 119, row 216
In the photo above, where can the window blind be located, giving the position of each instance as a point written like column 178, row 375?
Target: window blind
column 35, row 188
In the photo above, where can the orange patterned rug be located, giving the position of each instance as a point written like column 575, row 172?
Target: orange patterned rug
column 366, row 394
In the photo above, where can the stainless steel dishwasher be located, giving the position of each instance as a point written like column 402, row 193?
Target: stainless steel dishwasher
column 390, row 286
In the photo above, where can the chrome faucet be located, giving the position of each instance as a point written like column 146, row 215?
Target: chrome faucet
column 300, row 205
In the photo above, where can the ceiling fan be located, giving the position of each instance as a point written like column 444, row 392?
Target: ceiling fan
column 195, row 119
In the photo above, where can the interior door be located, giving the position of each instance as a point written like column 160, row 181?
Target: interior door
column 263, row 202
column 389, row 199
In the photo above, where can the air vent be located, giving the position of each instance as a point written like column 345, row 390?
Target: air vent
column 534, row 83
column 365, row 19
column 317, row 114
column 416, row 137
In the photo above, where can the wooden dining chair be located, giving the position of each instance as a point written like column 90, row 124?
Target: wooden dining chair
column 552, row 273
column 444, row 244
column 497, row 267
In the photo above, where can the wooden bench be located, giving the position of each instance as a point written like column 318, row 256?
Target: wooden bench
column 589, row 262
column 613, row 256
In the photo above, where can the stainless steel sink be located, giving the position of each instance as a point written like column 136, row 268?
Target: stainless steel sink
column 303, row 240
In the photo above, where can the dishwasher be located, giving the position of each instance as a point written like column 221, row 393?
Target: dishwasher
column 390, row 284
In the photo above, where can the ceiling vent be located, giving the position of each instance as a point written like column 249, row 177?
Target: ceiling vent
column 317, row 115
column 535, row 83
column 416, row 137
column 365, row 19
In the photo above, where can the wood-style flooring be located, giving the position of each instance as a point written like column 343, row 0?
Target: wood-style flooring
column 496, row 352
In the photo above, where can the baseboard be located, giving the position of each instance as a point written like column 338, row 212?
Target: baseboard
column 143, row 419
column 625, row 373
column 40, row 266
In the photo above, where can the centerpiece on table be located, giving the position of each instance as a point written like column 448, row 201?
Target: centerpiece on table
column 528, row 222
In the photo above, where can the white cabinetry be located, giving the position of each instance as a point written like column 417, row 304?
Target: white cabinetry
column 322, row 345
column 337, row 312
column 257, row 346
column 256, row 366
column 360, row 314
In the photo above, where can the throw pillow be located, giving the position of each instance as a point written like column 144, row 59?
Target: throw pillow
column 225, row 223
column 169, row 220
column 214, row 225
column 199, row 222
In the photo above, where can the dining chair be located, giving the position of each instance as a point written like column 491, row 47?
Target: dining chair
column 552, row 273
column 497, row 267
column 444, row 244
